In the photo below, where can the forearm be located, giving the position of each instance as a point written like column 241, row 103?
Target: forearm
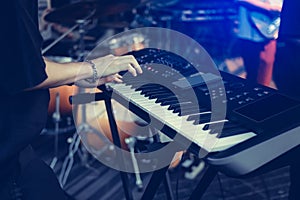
column 98, row 71
column 66, row 73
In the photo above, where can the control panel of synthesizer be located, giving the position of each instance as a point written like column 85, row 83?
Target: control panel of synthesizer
column 177, row 65
column 258, row 107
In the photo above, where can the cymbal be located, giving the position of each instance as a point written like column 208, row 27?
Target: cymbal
column 70, row 13
column 97, row 9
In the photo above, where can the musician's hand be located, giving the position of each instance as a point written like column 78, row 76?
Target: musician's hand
column 107, row 70
column 88, row 84
column 110, row 64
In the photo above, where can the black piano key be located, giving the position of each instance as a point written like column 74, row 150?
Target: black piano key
column 148, row 90
column 195, row 117
column 147, row 85
column 177, row 110
column 159, row 90
column 232, row 131
column 206, row 127
column 159, row 95
column 194, row 106
column 154, row 92
column 186, row 107
column 226, row 124
column 216, row 130
column 174, row 106
column 179, row 105
column 160, row 100
column 204, row 118
column 169, row 102
column 229, row 129
column 192, row 110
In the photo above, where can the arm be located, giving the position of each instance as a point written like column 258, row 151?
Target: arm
column 107, row 67
column 260, row 5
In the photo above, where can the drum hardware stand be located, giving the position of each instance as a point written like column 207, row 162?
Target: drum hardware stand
column 56, row 119
column 131, row 144
column 69, row 160
column 74, row 147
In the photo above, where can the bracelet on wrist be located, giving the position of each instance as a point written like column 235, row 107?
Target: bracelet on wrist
column 95, row 77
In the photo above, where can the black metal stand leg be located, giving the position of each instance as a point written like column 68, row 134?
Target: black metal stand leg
column 168, row 187
column 204, row 183
column 116, row 140
column 160, row 175
column 155, row 181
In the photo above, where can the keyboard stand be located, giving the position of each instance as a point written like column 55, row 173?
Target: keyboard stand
column 116, row 139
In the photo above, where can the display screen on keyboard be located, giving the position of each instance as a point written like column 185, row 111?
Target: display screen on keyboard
column 267, row 107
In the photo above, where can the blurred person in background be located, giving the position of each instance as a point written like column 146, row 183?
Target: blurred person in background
column 257, row 43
